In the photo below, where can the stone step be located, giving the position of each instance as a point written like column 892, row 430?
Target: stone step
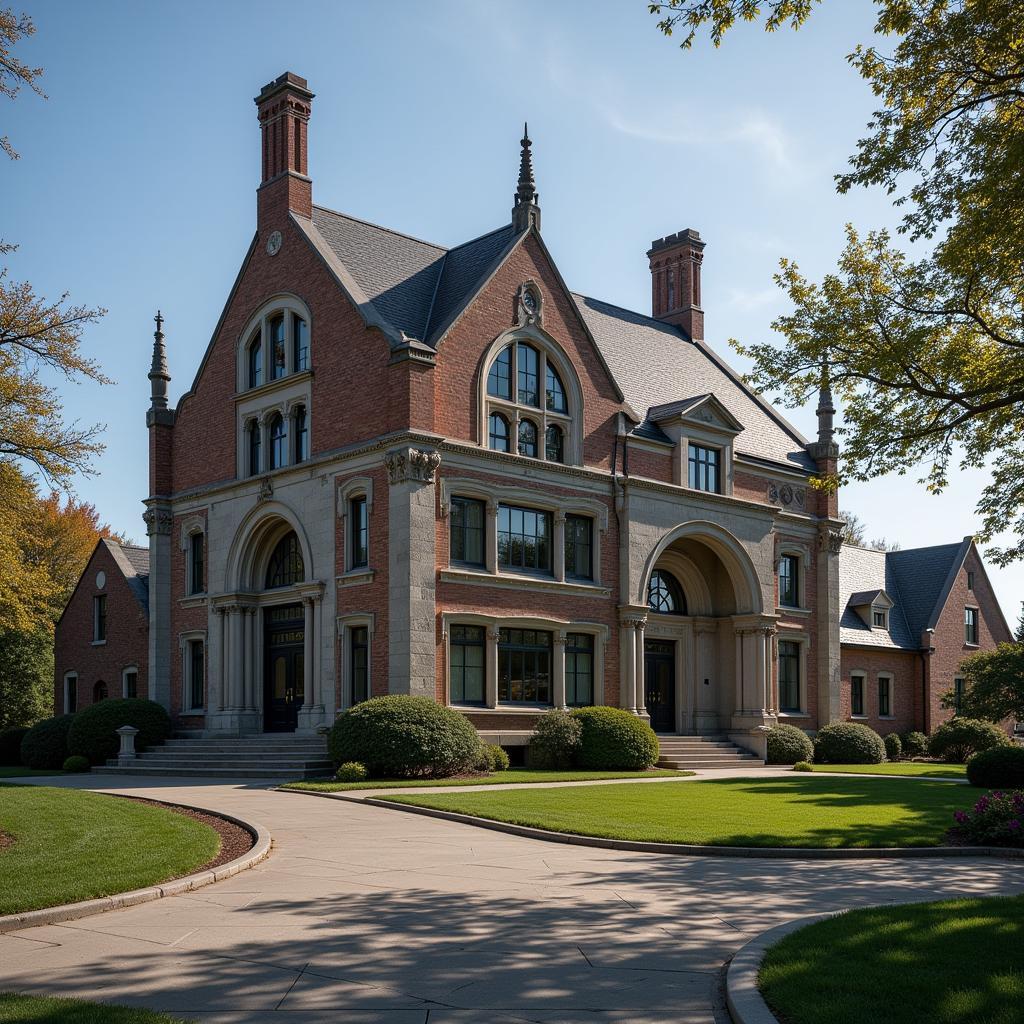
column 319, row 751
column 730, row 763
column 283, row 763
column 256, row 743
column 249, row 771
column 688, row 745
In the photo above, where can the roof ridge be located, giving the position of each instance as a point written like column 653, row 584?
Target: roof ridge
column 652, row 320
column 480, row 238
column 381, row 227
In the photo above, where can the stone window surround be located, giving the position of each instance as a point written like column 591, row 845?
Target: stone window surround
column 190, row 526
column 892, row 695
column 133, row 667
column 493, row 495
column 803, row 640
column 97, row 640
column 865, row 677
column 70, row 679
column 355, row 487
column 570, row 422
column 802, row 554
column 493, row 624
column 282, row 303
column 344, row 626
column 707, row 437
column 184, row 639
column 261, row 410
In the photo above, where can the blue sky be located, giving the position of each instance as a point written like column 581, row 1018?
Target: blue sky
column 136, row 187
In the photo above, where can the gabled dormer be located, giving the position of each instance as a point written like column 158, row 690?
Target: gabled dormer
column 873, row 606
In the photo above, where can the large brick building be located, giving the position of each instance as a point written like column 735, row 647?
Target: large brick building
column 403, row 468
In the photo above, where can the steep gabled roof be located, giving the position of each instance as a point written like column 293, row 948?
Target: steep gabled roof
column 133, row 562
column 864, row 573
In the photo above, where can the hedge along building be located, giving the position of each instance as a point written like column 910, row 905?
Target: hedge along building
column 403, row 468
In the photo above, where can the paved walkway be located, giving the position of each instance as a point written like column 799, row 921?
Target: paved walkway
column 363, row 915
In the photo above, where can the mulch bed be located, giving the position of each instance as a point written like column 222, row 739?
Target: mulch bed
column 6, row 840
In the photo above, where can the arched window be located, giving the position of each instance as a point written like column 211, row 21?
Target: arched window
column 301, row 435
column 256, row 360
column 255, row 444
column 285, row 568
column 278, row 364
column 498, row 432
column 278, row 442
column 554, row 444
column 664, row 594
column 499, row 380
column 528, row 438
column 99, row 692
column 300, row 342
column 554, row 392
column 528, row 369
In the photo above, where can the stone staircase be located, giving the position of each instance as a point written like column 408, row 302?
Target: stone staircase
column 270, row 756
column 704, row 752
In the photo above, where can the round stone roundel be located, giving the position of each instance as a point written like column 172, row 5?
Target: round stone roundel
column 101, row 580
column 274, row 243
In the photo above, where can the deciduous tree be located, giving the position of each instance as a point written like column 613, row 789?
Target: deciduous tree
column 994, row 684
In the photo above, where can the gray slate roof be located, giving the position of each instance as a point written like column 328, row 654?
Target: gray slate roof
column 134, row 564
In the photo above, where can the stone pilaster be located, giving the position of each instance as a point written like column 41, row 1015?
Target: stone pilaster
column 830, row 542
column 159, row 520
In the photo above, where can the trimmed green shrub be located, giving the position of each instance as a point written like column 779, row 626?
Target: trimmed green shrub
column 10, row 745
column 848, row 743
column 915, row 744
column 954, row 741
column 351, row 771
column 404, row 737
column 614, row 740
column 802, row 766
column 999, row 767
column 787, row 744
column 893, row 746
column 93, row 733
column 76, row 763
column 494, row 757
column 45, row 745
column 556, row 740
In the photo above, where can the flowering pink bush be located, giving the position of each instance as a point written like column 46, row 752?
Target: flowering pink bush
column 997, row 819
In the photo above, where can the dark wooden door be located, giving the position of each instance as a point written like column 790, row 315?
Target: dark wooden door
column 284, row 667
column 660, row 684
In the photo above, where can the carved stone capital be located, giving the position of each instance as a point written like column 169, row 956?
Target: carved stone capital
column 158, row 521
column 830, row 538
column 415, row 464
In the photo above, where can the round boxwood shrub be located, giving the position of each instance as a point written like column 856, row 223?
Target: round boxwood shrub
column 999, row 767
column 612, row 739
column 848, row 743
column 93, row 733
column 76, row 763
column 10, row 744
column 493, row 758
column 45, row 745
column 915, row 744
column 954, row 741
column 405, row 737
column 351, row 771
column 556, row 740
column 802, row 766
column 787, row 745
column 893, row 746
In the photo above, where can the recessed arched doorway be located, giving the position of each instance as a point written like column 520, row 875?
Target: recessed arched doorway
column 284, row 641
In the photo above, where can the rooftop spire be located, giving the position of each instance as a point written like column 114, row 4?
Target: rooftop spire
column 159, row 375
column 825, row 447
column 526, row 211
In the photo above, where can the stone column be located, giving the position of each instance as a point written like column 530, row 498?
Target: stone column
column 558, row 547
column 558, row 681
column 222, row 661
column 627, row 684
column 236, row 691
column 639, row 690
column 308, row 652
column 159, row 520
column 491, row 536
column 830, row 542
column 248, row 661
column 491, row 666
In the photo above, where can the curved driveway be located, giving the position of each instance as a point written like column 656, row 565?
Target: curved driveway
column 368, row 916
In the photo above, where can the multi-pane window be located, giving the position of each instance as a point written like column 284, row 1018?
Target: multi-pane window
column 524, row 666
column 528, row 374
column 196, row 674
column 579, row 544
column 255, row 444
column 256, row 360
column 277, row 349
column 278, row 346
column 498, row 432
column 131, row 683
column 528, row 438
column 360, row 532
column 857, row 696
column 579, row 669
column 970, row 625
column 71, row 694
column 664, row 594
column 884, row 697
column 286, row 567
column 554, row 393
column 499, row 379
column 789, row 585
column 524, row 539
column 554, row 444
column 197, row 564
column 466, row 531
column 300, row 343
column 301, row 434
column 958, row 693
column 99, row 618
column 789, row 676
column 278, row 442
column 878, row 617
column 704, row 468
column 359, row 662
column 468, row 665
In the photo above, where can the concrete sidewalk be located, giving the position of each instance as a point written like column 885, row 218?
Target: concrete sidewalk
column 364, row 916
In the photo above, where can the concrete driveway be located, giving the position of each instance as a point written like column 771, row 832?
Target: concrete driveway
column 368, row 916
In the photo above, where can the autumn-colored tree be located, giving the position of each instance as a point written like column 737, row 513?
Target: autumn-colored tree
column 15, row 73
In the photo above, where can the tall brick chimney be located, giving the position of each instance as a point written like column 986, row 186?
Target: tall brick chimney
column 284, row 106
column 675, row 281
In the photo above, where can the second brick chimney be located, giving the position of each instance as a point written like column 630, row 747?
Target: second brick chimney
column 675, row 281
column 283, row 107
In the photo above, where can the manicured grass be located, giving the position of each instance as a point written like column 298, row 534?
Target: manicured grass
column 803, row 811
column 18, row 1009
column 906, row 768
column 516, row 776
column 70, row 846
column 955, row 962
column 24, row 773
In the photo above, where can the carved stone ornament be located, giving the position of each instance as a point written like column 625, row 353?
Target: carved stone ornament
column 830, row 538
column 158, row 521
column 266, row 489
column 405, row 464
column 704, row 415
column 787, row 495
column 529, row 305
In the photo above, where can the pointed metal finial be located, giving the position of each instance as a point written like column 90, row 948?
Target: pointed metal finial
column 159, row 321
column 159, row 375
column 525, row 209
column 826, row 407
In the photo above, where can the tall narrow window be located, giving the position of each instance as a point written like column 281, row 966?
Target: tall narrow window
column 554, row 393
column 99, row 618
column 360, row 532
column 579, row 546
column 789, row 589
column 256, row 360
column 466, row 532
column 528, row 374
column 467, row 665
column 789, row 676
column 879, row 617
column 579, row 669
column 70, row 694
column 99, row 692
column 255, row 444
column 499, row 379
column 278, row 442
column 704, row 468
column 301, row 435
column 300, row 341
column 958, row 693
column 360, row 663
column 671, row 298
column 524, row 539
column 554, row 444
column 857, row 696
column 524, row 666
column 884, row 697
column 528, row 438
column 197, row 564
column 971, row 626
column 278, row 361
column 131, row 683
column 498, row 432
column 196, row 674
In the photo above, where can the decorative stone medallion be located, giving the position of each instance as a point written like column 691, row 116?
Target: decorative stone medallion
column 274, row 243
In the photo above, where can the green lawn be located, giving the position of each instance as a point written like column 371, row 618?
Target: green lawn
column 513, row 776
column 70, row 845
column 17, row 1009
column 803, row 811
column 22, row 773
column 955, row 962
column 907, row 768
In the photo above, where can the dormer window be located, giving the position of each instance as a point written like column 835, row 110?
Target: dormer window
column 880, row 618
column 705, row 468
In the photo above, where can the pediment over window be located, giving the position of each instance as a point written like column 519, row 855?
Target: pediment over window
column 704, row 411
column 873, row 607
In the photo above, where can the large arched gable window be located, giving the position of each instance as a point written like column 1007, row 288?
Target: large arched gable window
column 285, row 568
column 664, row 595
column 276, row 343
